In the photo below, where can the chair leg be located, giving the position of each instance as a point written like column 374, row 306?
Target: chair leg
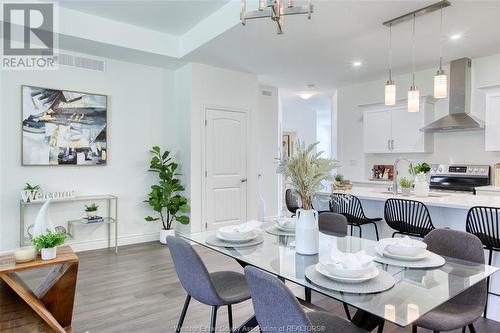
column 472, row 329
column 394, row 234
column 352, row 227
column 376, row 230
column 490, row 259
column 414, row 329
column 183, row 314
column 463, row 329
column 381, row 327
column 213, row 319
column 360, row 233
column 347, row 313
column 307, row 294
column 230, row 318
column 435, row 331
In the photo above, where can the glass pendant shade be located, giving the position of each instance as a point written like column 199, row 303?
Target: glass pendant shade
column 413, row 99
column 440, row 85
column 390, row 93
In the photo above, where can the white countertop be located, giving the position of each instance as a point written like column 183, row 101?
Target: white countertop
column 436, row 199
column 490, row 188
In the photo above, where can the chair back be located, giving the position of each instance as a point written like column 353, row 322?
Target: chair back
column 349, row 206
column 192, row 272
column 483, row 222
column 408, row 217
column 275, row 307
column 321, row 202
column 332, row 223
column 292, row 201
column 464, row 246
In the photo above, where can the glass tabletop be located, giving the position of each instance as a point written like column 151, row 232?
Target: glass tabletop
column 417, row 291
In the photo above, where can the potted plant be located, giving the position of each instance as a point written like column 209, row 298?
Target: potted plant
column 305, row 170
column 47, row 242
column 421, row 173
column 30, row 192
column 91, row 210
column 340, row 183
column 165, row 196
column 405, row 186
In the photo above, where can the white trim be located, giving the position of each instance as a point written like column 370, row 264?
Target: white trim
column 103, row 243
column 207, row 107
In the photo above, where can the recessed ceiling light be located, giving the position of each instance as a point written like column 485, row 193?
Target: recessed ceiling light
column 357, row 63
column 456, row 36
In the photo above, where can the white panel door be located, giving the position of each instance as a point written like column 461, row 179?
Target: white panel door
column 377, row 131
column 225, row 162
column 406, row 134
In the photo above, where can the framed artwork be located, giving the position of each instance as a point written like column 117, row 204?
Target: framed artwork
column 62, row 127
column 288, row 141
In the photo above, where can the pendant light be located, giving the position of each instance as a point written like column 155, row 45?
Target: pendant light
column 413, row 93
column 440, row 79
column 390, row 86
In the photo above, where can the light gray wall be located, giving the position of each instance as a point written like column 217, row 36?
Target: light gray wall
column 458, row 147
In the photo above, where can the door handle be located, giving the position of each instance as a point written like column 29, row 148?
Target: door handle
column 243, row 180
column 392, row 144
column 388, row 144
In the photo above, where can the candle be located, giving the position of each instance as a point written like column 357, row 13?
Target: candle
column 25, row 254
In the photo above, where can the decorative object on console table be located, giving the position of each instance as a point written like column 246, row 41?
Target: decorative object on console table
column 91, row 210
column 165, row 197
column 497, row 175
column 63, row 127
column 47, row 244
column 305, row 171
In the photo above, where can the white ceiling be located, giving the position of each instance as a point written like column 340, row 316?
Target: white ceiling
column 321, row 51
column 168, row 16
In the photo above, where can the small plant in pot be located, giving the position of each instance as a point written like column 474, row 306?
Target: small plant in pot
column 165, row 196
column 47, row 243
column 91, row 210
column 31, row 191
column 305, row 171
column 406, row 185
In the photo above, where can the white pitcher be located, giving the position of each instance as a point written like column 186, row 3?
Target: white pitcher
column 307, row 232
column 421, row 185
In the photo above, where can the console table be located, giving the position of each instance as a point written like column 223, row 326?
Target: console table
column 110, row 219
column 52, row 301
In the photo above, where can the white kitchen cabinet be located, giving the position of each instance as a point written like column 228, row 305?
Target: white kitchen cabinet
column 395, row 130
column 492, row 118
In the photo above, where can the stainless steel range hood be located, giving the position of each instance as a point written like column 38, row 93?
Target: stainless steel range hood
column 459, row 118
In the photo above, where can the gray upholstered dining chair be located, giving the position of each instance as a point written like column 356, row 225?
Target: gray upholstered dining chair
column 215, row 289
column 332, row 223
column 278, row 310
column 465, row 308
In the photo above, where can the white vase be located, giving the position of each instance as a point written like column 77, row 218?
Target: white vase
column 406, row 191
column 421, row 185
column 164, row 233
column 49, row 253
column 42, row 220
column 307, row 232
column 92, row 214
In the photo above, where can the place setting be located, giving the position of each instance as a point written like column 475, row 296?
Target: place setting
column 405, row 252
column 283, row 226
column 236, row 236
column 349, row 272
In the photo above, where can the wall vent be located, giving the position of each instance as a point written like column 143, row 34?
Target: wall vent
column 94, row 64
column 267, row 93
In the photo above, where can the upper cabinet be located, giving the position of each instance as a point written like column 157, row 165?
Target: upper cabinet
column 492, row 118
column 395, row 130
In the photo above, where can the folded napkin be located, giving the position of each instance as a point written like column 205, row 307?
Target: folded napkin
column 252, row 225
column 343, row 260
column 286, row 222
column 400, row 242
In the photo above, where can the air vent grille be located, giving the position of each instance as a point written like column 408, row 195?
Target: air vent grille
column 81, row 62
column 267, row 93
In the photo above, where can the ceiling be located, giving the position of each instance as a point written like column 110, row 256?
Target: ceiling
column 168, row 16
column 322, row 50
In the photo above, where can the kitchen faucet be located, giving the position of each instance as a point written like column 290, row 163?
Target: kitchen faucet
column 395, row 176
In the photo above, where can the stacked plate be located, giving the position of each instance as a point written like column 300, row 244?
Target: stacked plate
column 286, row 224
column 348, row 275
column 236, row 234
column 405, row 249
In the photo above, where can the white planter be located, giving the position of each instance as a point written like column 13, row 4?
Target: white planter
column 92, row 214
column 421, row 185
column 164, row 233
column 406, row 191
column 49, row 254
column 307, row 232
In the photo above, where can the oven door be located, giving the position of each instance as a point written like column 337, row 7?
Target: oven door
column 457, row 183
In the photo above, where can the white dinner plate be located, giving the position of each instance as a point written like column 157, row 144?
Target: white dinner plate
column 406, row 258
column 244, row 240
column 284, row 228
column 368, row 276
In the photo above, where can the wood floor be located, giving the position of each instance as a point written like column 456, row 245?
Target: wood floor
column 138, row 291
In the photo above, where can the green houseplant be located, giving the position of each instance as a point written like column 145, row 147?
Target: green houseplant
column 47, row 242
column 91, row 210
column 165, row 196
column 305, row 170
column 406, row 185
column 30, row 192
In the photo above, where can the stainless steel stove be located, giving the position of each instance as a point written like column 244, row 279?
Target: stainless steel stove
column 459, row 177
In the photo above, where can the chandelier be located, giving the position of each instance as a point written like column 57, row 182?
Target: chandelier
column 276, row 10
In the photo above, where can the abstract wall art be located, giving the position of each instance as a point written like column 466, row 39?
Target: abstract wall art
column 63, row 127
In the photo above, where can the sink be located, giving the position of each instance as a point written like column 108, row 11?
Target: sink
column 431, row 194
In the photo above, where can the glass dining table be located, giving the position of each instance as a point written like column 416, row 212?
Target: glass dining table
column 416, row 291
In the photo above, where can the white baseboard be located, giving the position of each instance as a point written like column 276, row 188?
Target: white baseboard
column 103, row 243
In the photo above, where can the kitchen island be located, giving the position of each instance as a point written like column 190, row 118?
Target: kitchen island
column 447, row 210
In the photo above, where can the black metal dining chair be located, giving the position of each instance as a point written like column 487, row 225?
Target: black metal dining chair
column 484, row 222
column 216, row 289
column 465, row 308
column 350, row 206
column 278, row 310
column 408, row 217
column 292, row 201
